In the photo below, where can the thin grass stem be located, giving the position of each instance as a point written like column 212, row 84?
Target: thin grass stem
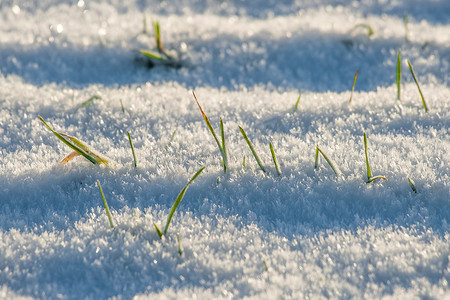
column 370, row 178
column 158, row 231
column 208, row 124
column 413, row 186
column 353, row 86
column 132, row 149
column 250, row 145
column 418, row 87
column 296, row 103
column 106, row 205
column 275, row 160
column 179, row 198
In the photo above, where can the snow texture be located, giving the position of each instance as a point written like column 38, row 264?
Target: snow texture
column 306, row 234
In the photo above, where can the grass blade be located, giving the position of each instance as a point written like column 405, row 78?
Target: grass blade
column 180, row 249
column 252, row 149
column 243, row 162
column 106, row 205
column 208, row 124
column 399, row 74
column 298, row 101
column 353, row 86
column 329, row 161
column 405, row 23
column 152, row 54
column 275, row 160
column 171, row 139
column 158, row 231
column 91, row 100
column 413, row 187
column 370, row 178
column 266, row 267
column 121, row 104
column 418, row 87
column 158, row 42
column 179, row 198
column 74, row 147
column 224, row 148
column 132, row 149
column 369, row 172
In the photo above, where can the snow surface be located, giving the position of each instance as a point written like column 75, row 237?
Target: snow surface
column 320, row 236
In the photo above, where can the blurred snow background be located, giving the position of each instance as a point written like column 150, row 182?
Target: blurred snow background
column 320, row 236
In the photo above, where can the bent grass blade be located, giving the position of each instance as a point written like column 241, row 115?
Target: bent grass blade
column 329, row 161
column 179, row 198
column 158, row 231
column 418, row 87
column 222, row 148
column 250, row 145
column 77, row 146
column 106, row 205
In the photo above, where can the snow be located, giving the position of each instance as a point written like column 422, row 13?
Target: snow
column 320, row 236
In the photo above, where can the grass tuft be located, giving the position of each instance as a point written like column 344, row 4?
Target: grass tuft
column 222, row 148
column 370, row 178
column 132, row 149
column 275, row 160
column 252, row 149
column 418, row 87
column 179, row 198
column 79, row 147
column 399, row 74
column 353, row 86
column 296, row 103
column 106, row 205
column 329, row 161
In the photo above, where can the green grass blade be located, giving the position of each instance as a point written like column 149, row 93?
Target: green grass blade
column 171, row 139
column 74, row 147
column 405, row 23
column 369, row 172
column 158, row 231
column 106, row 205
column 121, row 104
column 179, row 198
column 413, row 187
column 224, row 148
column 243, row 162
column 180, row 249
column 157, row 36
column 353, row 86
column 208, row 124
column 275, row 159
column 298, row 101
column 91, row 100
column 266, row 267
column 132, row 149
column 152, row 55
column 328, row 160
column 252, row 149
column 418, row 87
column 399, row 74
column 316, row 158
